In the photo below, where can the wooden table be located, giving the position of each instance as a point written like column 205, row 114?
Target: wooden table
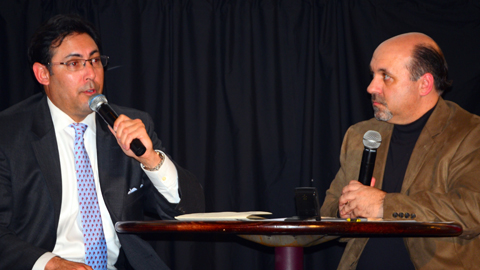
column 290, row 237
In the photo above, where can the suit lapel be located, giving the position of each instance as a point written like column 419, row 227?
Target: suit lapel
column 46, row 153
column 426, row 146
column 109, row 158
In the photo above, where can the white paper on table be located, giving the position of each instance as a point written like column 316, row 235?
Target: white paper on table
column 212, row 216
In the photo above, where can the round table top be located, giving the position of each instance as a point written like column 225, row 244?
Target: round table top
column 267, row 227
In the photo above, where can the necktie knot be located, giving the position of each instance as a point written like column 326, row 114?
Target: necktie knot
column 80, row 129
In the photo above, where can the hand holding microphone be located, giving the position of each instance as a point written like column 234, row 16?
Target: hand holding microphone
column 99, row 104
column 359, row 198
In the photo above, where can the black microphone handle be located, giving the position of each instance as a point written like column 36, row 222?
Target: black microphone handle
column 109, row 116
column 366, row 168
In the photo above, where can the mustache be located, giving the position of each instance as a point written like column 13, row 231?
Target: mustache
column 88, row 86
column 378, row 99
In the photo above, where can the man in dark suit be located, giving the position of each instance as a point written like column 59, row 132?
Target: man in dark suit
column 40, row 222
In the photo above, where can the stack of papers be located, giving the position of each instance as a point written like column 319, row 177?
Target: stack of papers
column 221, row 216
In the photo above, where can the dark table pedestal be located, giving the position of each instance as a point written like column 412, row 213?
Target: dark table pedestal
column 289, row 258
column 288, row 248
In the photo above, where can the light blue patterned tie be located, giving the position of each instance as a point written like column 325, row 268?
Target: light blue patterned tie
column 93, row 237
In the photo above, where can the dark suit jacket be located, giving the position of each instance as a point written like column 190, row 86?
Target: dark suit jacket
column 30, row 186
column 441, row 183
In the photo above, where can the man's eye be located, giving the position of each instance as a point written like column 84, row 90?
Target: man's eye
column 386, row 77
column 73, row 63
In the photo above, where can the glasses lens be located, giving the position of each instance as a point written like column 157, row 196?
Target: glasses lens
column 104, row 60
column 75, row 65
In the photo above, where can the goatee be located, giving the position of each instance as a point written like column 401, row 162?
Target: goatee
column 381, row 114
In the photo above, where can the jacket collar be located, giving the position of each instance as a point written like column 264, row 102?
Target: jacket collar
column 426, row 143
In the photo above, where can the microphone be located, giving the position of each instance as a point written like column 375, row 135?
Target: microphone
column 99, row 104
column 371, row 140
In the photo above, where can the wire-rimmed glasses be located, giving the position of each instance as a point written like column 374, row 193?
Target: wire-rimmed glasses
column 79, row 64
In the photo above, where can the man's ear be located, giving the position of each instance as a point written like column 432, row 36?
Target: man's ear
column 42, row 74
column 426, row 84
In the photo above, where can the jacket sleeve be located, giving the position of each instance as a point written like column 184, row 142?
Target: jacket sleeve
column 15, row 253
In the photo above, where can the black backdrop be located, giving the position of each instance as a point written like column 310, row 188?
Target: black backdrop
column 253, row 96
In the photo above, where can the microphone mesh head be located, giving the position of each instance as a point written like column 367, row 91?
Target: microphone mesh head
column 372, row 139
column 96, row 101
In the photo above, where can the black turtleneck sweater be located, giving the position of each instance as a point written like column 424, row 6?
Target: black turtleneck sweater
column 391, row 253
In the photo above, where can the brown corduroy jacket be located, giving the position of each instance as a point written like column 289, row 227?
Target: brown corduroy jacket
column 442, row 183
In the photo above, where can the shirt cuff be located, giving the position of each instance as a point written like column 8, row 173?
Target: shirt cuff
column 43, row 260
column 165, row 180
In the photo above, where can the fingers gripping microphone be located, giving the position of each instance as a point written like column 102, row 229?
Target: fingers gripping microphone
column 371, row 140
column 99, row 104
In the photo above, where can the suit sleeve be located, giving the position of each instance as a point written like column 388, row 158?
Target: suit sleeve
column 15, row 253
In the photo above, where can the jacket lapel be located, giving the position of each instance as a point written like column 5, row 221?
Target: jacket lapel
column 426, row 146
column 385, row 131
column 110, row 160
column 46, row 153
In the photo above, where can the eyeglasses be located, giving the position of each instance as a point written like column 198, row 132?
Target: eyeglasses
column 79, row 64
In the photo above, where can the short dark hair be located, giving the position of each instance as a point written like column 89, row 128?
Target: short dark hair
column 427, row 59
column 52, row 33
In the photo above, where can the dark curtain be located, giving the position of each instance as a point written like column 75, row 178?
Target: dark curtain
column 253, row 96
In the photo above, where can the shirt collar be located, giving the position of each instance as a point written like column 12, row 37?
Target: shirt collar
column 61, row 120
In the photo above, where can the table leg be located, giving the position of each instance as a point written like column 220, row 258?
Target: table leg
column 288, row 258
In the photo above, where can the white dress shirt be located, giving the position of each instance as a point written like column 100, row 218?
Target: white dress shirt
column 69, row 244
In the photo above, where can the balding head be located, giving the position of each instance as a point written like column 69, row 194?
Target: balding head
column 409, row 40
column 426, row 57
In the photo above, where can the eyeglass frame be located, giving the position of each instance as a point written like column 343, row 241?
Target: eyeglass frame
column 101, row 57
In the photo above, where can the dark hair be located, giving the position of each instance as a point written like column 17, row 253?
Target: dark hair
column 426, row 59
column 52, row 33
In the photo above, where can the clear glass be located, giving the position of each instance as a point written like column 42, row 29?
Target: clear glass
column 79, row 64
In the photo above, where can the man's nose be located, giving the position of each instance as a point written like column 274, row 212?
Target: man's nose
column 89, row 69
column 374, row 86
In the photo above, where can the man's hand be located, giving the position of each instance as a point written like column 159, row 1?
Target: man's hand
column 125, row 130
column 358, row 200
column 57, row 263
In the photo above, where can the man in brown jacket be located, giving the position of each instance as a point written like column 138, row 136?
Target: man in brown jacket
column 427, row 167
